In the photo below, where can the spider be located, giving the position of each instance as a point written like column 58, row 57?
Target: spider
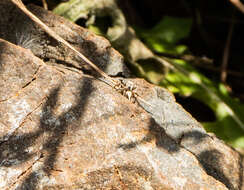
column 126, row 90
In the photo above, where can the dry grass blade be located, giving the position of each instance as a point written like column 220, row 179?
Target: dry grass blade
column 226, row 53
column 45, row 6
column 238, row 5
column 20, row 4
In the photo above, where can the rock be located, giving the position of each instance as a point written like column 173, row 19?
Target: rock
column 63, row 129
column 22, row 31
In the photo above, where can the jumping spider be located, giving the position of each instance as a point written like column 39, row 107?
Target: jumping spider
column 126, row 89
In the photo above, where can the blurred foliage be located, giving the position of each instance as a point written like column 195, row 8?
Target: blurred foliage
column 79, row 9
column 184, row 78
column 187, row 81
column 164, row 36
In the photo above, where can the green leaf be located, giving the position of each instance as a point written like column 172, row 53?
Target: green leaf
column 171, row 29
column 227, row 130
column 229, row 112
column 74, row 9
column 164, row 36
column 96, row 30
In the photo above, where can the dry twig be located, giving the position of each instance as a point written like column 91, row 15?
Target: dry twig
column 226, row 54
column 44, row 4
column 238, row 4
column 20, row 4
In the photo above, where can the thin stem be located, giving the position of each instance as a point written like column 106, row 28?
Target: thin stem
column 44, row 4
column 238, row 4
column 226, row 54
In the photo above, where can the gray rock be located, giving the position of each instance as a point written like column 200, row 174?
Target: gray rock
column 23, row 32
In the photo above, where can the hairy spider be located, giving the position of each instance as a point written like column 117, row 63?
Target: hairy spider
column 126, row 89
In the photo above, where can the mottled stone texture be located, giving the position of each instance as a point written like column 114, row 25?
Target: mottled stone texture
column 62, row 129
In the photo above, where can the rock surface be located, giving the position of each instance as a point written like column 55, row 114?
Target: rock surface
column 62, row 129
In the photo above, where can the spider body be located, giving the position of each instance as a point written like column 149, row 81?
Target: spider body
column 127, row 90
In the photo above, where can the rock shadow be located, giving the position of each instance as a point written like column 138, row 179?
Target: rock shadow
column 209, row 160
column 56, row 133
column 14, row 151
column 161, row 138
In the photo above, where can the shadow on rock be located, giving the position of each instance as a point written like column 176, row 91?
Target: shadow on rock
column 56, row 133
column 14, row 151
column 158, row 133
column 210, row 161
